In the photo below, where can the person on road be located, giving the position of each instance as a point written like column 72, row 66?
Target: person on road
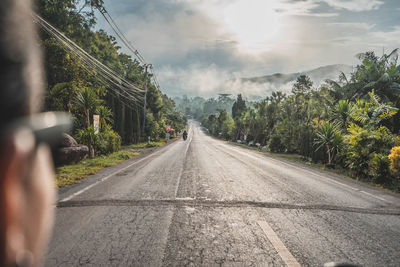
column 185, row 135
column 27, row 189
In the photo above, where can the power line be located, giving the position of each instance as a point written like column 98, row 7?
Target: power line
column 121, row 35
column 120, row 86
column 128, row 44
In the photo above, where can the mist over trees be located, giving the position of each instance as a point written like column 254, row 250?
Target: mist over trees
column 352, row 123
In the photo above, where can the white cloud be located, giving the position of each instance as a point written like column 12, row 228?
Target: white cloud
column 389, row 37
column 355, row 5
column 177, row 33
column 353, row 25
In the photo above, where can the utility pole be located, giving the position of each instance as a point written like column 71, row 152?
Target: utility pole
column 145, row 99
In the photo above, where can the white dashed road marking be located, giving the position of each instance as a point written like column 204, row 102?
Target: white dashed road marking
column 283, row 252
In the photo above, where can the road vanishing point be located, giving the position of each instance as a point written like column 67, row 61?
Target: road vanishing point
column 205, row 202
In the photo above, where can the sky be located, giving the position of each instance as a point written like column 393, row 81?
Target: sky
column 197, row 45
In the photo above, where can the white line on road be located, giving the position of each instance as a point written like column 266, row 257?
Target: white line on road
column 104, row 179
column 369, row 194
column 181, row 171
column 283, row 252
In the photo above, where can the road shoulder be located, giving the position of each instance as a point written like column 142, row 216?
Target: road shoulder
column 68, row 190
column 323, row 172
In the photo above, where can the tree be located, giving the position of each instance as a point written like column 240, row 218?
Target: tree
column 239, row 107
column 87, row 101
column 329, row 137
column 381, row 74
column 61, row 96
column 341, row 114
column 105, row 115
column 369, row 141
column 303, row 85
column 225, row 124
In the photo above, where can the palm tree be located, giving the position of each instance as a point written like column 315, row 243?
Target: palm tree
column 105, row 116
column 87, row 100
column 381, row 74
column 341, row 113
column 329, row 136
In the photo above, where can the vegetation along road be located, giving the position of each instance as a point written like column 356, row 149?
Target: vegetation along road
column 204, row 202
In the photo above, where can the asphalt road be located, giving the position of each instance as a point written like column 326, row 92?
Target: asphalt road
column 204, row 202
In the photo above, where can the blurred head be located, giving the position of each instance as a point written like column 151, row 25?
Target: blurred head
column 27, row 192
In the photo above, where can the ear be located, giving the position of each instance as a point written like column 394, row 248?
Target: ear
column 13, row 160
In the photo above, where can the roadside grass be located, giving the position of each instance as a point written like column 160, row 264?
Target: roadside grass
column 71, row 174
column 145, row 145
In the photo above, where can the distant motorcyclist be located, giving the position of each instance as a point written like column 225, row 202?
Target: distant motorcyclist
column 185, row 135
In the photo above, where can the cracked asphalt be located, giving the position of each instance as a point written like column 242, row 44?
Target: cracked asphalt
column 198, row 203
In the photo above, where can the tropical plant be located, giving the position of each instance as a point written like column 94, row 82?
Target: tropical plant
column 341, row 114
column 61, row 96
column 87, row 100
column 329, row 137
column 88, row 137
column 381, row 74
column 380, row 170
column 371, row 113
column 368, row 138
column 395, row 159
column 108, row 141
column 105, row 115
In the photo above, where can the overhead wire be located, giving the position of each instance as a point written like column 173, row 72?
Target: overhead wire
column 114, row 26
column 120, row 86
column 117, row 30
column 115, row 78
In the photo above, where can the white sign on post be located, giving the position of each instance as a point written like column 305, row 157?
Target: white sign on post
column 96, row 123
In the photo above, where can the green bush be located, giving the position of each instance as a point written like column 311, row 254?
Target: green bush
column 275, row 143
column 107, row 142
column 149, row 145
column 395, row 159
column 362, row 146
column 87, row 137
column 379, row 165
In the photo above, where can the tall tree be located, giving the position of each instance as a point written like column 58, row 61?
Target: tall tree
column 239, row 107
column 303, row 85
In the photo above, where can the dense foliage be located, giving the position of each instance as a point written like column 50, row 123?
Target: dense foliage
column 74, row 88
column 352, row 123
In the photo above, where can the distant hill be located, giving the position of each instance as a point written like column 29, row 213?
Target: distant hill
column 317, row 75
column 264, row 85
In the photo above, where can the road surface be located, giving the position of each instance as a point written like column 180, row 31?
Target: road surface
column 204, row 202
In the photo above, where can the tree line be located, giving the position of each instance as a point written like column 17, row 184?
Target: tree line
column 352, row 123
column 74, row 88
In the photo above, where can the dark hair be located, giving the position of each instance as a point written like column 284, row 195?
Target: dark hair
column 21, row 75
